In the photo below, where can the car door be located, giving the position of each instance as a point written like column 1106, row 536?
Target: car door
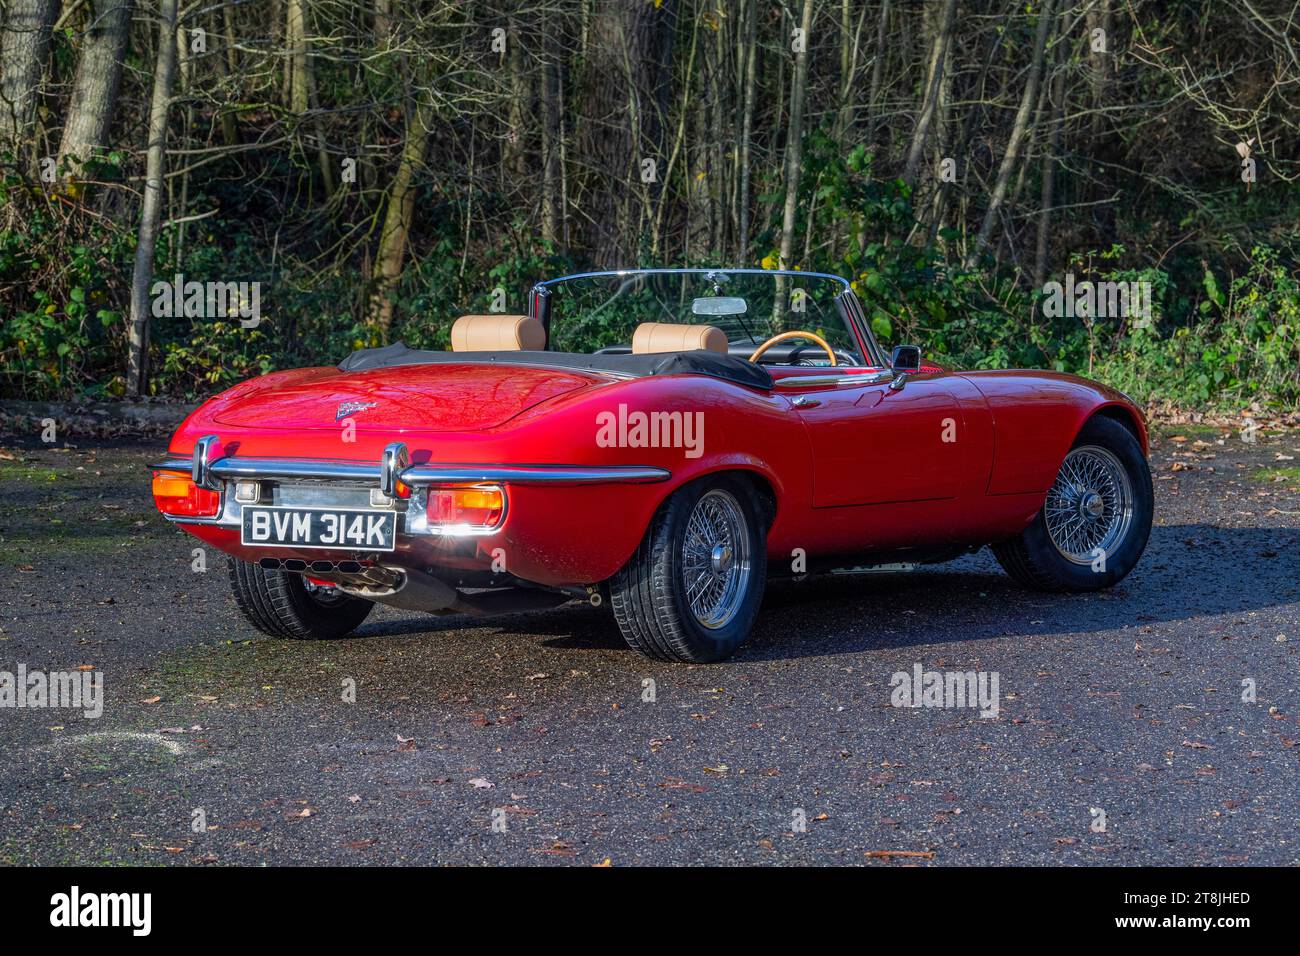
column 875, row 444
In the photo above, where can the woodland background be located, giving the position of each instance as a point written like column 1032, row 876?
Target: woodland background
column 381, row 167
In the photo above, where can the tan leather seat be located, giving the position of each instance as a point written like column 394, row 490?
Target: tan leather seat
column 666, row 337
column 496, row 333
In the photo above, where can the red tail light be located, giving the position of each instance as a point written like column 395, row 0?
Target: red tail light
column 176, row 494
column 476, row 507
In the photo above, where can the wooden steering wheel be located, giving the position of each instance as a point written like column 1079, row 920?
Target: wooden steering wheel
column 786, row 336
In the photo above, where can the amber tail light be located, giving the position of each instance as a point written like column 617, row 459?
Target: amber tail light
column 177, row 495
column 474, row 507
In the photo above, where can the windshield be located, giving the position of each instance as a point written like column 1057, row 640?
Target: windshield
column 599, row 312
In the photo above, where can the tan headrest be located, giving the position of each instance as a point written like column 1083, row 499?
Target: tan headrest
column 665, row 337
column 496, row 333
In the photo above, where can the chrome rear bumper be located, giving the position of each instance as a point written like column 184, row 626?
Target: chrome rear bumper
column 204, row 471
column 217, row 474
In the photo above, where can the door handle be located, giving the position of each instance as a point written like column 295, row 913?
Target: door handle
column 803, row 401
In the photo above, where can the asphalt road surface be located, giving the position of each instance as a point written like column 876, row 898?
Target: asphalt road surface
column 531, row 739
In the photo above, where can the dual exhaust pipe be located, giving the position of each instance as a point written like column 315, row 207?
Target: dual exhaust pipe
column 417, row 591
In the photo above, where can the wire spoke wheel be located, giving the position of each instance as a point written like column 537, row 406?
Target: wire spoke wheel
column 1090, row 506
column 693, row 587
column 716, row 561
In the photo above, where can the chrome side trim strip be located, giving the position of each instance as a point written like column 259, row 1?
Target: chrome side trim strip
column 530, row 475
column 814, row 381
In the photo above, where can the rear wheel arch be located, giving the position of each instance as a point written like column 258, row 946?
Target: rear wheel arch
column 653, row 595
column 763, row 491
column 763, row 488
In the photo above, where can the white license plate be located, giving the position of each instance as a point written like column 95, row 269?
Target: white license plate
column 319, row 528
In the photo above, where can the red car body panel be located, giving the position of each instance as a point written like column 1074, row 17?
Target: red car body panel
column 949, row 460
column 418, row 397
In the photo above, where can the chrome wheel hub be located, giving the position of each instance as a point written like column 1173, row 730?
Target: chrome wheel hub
column 720, row 558
column 715, row 559
column 1090, row 506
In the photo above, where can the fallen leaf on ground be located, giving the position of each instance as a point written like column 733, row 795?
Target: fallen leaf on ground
column 560, row 848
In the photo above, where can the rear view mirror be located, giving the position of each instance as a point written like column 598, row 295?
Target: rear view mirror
column 719, row 305
column 906, row 359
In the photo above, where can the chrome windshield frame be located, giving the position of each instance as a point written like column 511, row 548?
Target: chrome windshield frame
column 846, row 300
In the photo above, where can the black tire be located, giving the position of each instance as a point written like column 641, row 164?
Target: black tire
column 278, row 603
column 649, row 595
column 1034, row 560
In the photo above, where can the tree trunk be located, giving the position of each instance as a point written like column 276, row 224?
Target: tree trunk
column 878, row 65
column 151, row 208
column 184, row 83
column 794, row 139
column 793, row 164
column 397, row 219
column 24, row 44
column 1104, row 146
column 934, row 82
column 846, row 67
column 94, row 90
column 227, row 67
column 747, row 129
column 717, row 174
column 232, row 55
column 1018, row 131
column 564, row 158
column 302, row 92
column 550, row 140
column 514, row 159
column 1046, row 196
column 696, row 235
column 1098, row 18
column 628, row 84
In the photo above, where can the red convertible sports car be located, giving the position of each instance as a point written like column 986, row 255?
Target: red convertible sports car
column 661, row 441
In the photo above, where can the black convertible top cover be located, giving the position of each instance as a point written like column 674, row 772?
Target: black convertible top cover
column 729, row 368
